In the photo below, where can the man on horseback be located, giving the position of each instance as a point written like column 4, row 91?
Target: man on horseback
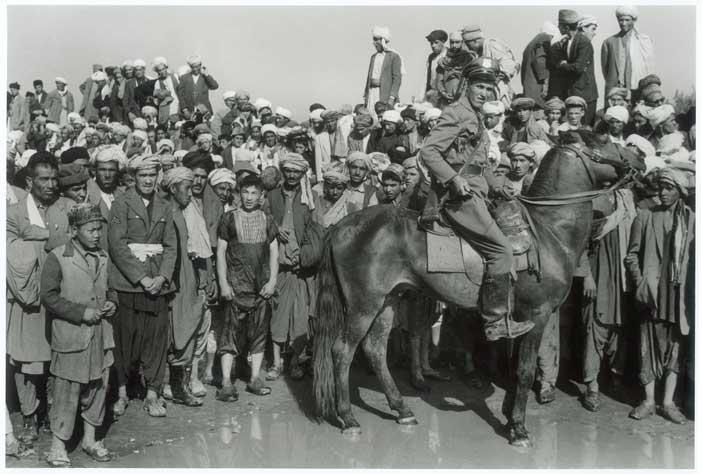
column 456, row 154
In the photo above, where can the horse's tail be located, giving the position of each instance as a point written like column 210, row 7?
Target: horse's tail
column 329, row 322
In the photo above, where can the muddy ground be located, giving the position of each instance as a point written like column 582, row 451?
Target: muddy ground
column 459, row 427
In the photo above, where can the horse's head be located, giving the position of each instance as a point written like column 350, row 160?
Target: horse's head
column 605, row 161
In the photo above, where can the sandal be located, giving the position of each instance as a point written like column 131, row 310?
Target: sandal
column 227, row 393
column 120, row 407
column 154, row 408
column 98, row 452
column 257, row 388
column 273, row 374
column 18, row 449
column 58, row 459
column 644, row 410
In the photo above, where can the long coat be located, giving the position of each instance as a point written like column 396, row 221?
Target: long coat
column 129, row 223
column 133, row 99
column 193, row 94
column 610, row 58
column 390, row 76
column 188, row 306
column 647, row 263
column 577, row 77
column 54, row 105
column 94, row 197
column 28, row 245
column 535, row 65
column 87, row 107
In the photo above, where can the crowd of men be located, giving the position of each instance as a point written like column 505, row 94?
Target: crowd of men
column 153, row 241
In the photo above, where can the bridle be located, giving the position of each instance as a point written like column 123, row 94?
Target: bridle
column 586, row 157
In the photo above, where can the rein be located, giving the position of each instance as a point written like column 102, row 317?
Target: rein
column 575, row 198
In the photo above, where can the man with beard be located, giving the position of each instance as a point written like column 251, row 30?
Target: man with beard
column 388, row 137
column 103, row 189
column 437, row 42
column 449, row 72
column 143, row 247
column 133, row 100
column 459, row 143
column 196, row 85
column 37, row 224
column 384, row 72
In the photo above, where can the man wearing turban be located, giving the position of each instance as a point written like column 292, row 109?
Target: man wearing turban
column 384, row 72
column 449, row 71
column 143, row 246
column 291, row 206
column 59, row 103
column 616, row 117
column 134, row 98
column 360, row 192
column 330, row 205
column 196, row 85
column 658, row 262
column 627, row 56
column 388, row 137
column 360, row 132
column 166, row 92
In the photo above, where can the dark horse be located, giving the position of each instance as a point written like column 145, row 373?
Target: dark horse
column 373, row 256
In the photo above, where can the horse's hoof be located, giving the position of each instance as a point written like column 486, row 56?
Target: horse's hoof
column 521, row 443
column 407, row 420
column 351, row 431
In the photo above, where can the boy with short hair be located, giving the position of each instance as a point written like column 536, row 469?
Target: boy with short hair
column 247, row 270
column 392, row 182
column 575, row 111
column 74, row 292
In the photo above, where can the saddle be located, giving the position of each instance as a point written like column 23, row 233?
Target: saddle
column 447, row 252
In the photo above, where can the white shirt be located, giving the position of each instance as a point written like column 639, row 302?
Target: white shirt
column 377, row 65
column 107, row 198
column 195, row 78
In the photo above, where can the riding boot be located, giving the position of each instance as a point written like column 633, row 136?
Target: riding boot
column 495, row 294
column 179, row 388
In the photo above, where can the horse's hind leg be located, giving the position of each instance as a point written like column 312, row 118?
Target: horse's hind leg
column 375, row 346
column 526, row 368
column 342, row 352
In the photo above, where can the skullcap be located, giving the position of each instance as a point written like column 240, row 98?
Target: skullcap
column 618, row 112
column 71, row 174
column 83, row 213
column 522, row 149
column 627, row 10
column 176, row 175
column 222, row 175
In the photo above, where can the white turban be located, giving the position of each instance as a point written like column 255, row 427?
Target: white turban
column 283, row 112
column 627, row 10
column 24, row 159
column 218, row 160
column 149, row 110
column 432, row 114
column 179, row 154
column 587, row 20
column 658, row 115
column 144, row 161
column 139, row 63
column 53, row 127
column 316, row 115
column 618, row 112
column 183, row 70
column 242, row 154
column 540, row 147
column 61, row 80
column 111, row 153
column 160, row 61
column 643, row 145
column 382, row 32
column 391, row 116
column 121, row 129
column 493, row 108
column 670, row 147
column 222, row 175
column 269, row 127
column 74, row 117
column 284, row 131
column 140, row 124
column 128, row 63
column 653, row 163
column 202, row 137
column 194, row 59
column 165, row 143
column 262, row 103
column 229, row 95
column 14, row 136
column 176, row 175
column 140, row 134
column 98, row 76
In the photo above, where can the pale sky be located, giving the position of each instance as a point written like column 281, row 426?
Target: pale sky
column 294, row 56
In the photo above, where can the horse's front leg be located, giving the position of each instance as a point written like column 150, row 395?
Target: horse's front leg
column 528, row 348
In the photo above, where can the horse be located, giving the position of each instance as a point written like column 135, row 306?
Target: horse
column 372, row 256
